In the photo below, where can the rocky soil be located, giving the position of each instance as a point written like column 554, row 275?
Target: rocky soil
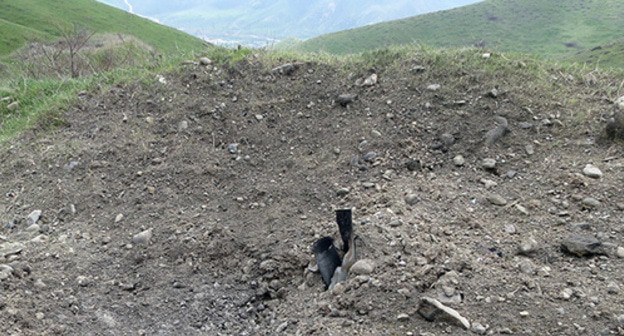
column 188, row 206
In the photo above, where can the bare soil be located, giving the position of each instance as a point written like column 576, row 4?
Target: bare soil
column 231, row 232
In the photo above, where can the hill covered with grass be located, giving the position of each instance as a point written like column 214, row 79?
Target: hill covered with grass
column 27, row 20
column 534, row 26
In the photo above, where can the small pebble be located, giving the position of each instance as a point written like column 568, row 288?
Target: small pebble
column 142, row 238
column 592, row 171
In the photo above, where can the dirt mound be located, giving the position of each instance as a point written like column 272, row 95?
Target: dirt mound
column 237, row 170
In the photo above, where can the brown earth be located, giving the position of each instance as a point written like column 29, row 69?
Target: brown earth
column 231, row 233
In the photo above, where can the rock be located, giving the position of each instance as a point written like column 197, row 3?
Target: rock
column 13, row 106
column 233, row 148
column 343, row 192
column 182, row 125
column 459, row 161
column 205, row 61
column 280, row 328
column 363, row 266
column 259, row 117
column 284, row 69
column 411, row 199
column 346, row 99
column 119, row 218
column 370, row 80
column 83, row 281
column 478, row 329
column 488, row 164
column 615, row 126
column 418, row 69
column 510, row 228
column 447, row 139
column 498, row 132
column 524, row 313
column 620, row 103
column 142, row 238
column 431, row 310
column 5, row 272
column 496, row 199
column 71, row 165
column 434, row 87
column 526, row 266
column 370, row 157
column 368, row 185
column 268, row 265
column 592, row 171
column 613, row 288
column 486, row 55
column 525, row 125
column 492, row 93
column 488, row 183
column 590, row 203
column 567, row 293
column 396, row 222
column 529, row 149
column 33, row 217
column 33, row 228
column 8, row 248
column 402, row 317
column 582, row 246
column 528, row 246
column 413, row 165
column 620, row 252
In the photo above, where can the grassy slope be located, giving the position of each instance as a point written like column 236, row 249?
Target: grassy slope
column 24, row 20
column 534, row 26
column 607, row 55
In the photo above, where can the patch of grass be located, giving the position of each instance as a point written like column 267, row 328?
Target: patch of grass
column 527, row 26
column 610, row 55
column 28, row 20
column 44, row 101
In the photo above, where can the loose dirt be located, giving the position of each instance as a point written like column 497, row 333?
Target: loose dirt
column 231, row 225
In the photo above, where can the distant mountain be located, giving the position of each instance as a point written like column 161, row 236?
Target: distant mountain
column 262, row 22
column 25, row 20
column 545, row 27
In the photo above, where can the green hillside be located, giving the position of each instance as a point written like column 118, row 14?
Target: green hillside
column 544, row 27
column 24, row 20
column 606, row 55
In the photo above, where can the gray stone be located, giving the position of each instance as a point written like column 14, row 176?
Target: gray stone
column 525, row 125
column 284, row 69
column 592, row 171
column 447, row 139
column 370, row 157
column 33, row 217
column 478, row 329
column 488, row 163
column 182, row 125
column 496, row 199
column 8, row 248
column 5, row 272
column 402, row 317
column 620, row 252
column 620, row 103
column 411, row 199
column 434, row 87
column 346, row 99
column 233, row 148
column 370, row 80
column 590, row 203
column 567, row 293
column 613, row 288
column 342, row 191
column 13, row 106
column 459, row 161
column 530, row 150
column 432, row 309
column 205, row 61
column 528, row 246
column 413, row 165
column 142, row 238
column 582, row 246
column 363, row 266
